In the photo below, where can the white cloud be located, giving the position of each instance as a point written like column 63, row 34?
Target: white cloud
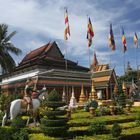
column 47, row 18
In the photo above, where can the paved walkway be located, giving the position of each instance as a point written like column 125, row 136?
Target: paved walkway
column 136, row 104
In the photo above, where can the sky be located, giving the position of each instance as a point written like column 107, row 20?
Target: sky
column 38, row 22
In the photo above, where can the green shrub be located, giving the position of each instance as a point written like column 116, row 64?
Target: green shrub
column 116, row 130
column 103, row 111
column 91, row 103
column 1, row 117
column 22, row 135
column 121, row 100
column 18, row 123
column 119, row 110
column 97, row 127
column 6, row 133
column 138, row 119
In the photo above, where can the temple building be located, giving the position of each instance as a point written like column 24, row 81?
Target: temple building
column 47, row 66
column 104, row 79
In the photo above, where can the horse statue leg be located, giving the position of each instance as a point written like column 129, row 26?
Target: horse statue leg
column 4, row 119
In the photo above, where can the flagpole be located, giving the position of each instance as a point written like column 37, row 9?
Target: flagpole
column 124, row 62
column 113, row 47
column 88, row 49
column 66, row 67
column 136, row 57
column 66, row 62
column 90, row 35
column 89, row 57
column 110, row 59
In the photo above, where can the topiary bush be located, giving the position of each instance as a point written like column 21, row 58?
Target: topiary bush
column 116, row 130
column 98, row 127
column 54, row 123
column 122, row 100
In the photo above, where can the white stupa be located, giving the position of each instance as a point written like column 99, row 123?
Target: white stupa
column 64, row 95
column 73, row 102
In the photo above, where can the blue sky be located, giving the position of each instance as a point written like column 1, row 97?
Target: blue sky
column 39, row 21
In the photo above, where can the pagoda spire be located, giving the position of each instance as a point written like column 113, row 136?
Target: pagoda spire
column 93, row 94
column 95, row 62
column 82, row 97
column 124, row 87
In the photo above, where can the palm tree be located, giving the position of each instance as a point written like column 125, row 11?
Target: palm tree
column 6, row 47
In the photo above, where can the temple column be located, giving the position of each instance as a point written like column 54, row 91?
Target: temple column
column 107, row 94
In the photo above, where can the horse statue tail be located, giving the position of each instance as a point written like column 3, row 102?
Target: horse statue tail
column 5, row 117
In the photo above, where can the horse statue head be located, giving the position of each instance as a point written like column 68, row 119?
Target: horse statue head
column 43, row 93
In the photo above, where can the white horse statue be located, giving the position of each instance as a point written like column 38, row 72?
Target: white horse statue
column 15, row 107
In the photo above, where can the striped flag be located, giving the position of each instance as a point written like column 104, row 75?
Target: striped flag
column 67, row 28
column 136, row 39
column 90, row 33
column 124, row 41
column 111, row 39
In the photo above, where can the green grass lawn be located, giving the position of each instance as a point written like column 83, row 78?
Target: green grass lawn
column 80, row 121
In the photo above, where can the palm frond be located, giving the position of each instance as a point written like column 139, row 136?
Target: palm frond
column 9, row 36
column 3, row 31
column 11, row 48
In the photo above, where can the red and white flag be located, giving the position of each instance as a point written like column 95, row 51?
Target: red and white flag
column 67, row 28
column 90, row 33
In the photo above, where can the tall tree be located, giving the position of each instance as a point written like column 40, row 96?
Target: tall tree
column 6, row 48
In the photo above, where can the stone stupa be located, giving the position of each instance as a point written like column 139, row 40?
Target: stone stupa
column 73, row 102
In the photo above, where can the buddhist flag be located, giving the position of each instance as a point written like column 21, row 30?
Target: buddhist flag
column 136, row 40
column 67, row 28
column 90, row 33
column 111, row 39
column 124, row 41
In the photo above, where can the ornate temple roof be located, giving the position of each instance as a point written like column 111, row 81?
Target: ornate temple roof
column 46, row 57
column 102, row 78
column 42, row 52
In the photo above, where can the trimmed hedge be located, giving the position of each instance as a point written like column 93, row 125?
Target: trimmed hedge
column 41, row 136
column 52, row 113
column 59, row 122
column 55, row 104
column 86, row 122
column 54, row 131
